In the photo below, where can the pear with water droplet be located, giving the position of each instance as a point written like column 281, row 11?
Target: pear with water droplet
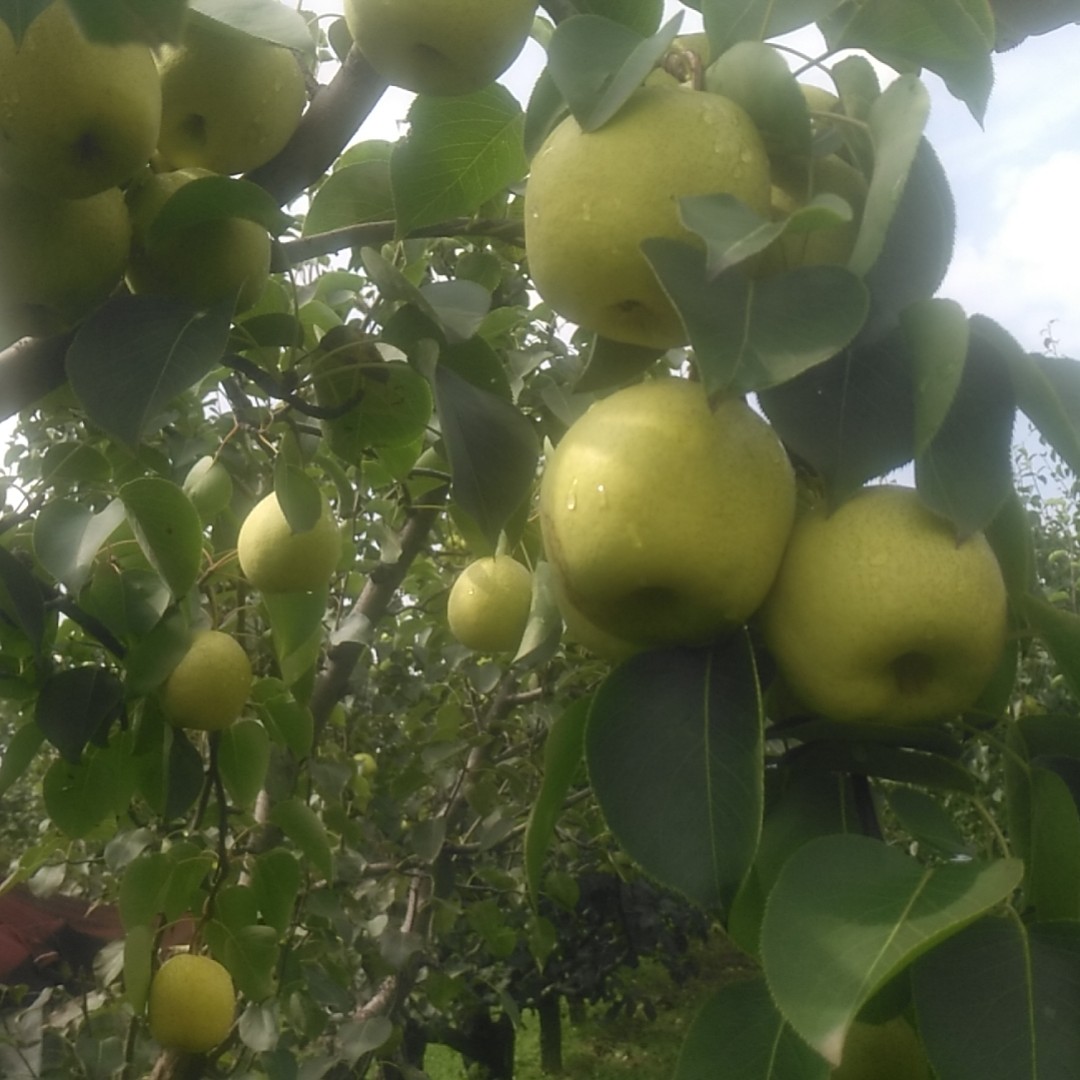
column 440, row 47
column 879, row 613
column 76, row 117
column 664, row 518
column 230, row 102
column 593, row 197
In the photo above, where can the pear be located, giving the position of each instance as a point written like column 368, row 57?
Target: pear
column 208, row 689
column 889, row 1051
column 230, row 102
column 879, row 614
column 76, row 117
column 277, row 560
column 59, row 258
column 664, row 519
column 442, row 47
column 203, row 263
column 192, row 1003
column 489, row 603
column 593, row 197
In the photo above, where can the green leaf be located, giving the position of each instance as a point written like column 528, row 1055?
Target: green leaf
column 1060, row 632
column 730, row 21
column 274, row 22
column 674, row 749
column 276, row 879
column 296, row 622
column 251, row 955
column 298, row 495
column 168, row 529
column 492, row 449
column 352, row 195
column 642, row 16
column 849, row 913
column 301, row 825
column 965, row 473
column 79, row 797
column 243, row 758
column 928, row 822
column 21, row 600
column 152, row 658
column 998, row 1001
column 216, row 198
column 67, row 538
column 751, row 335
column 739, row 1032
column 460, row 152
column 19, row 14
column 563, row 753
column 851, row 418
column 897, row 119
column 757, row 77
column 953, row 38
column 183, row 774
column 614, row 363
column 1052, row 878
column 138, row 964
column 937, row 335
column 133, row 355
column 1048, row 391
column 901, row 764
column 19, row 752
column 597, row 64
column 79, row 706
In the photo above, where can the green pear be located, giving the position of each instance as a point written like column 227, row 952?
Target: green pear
column 203, row 263
column 230, row 102
column 889, row 1051
column 879, row 614
column 76, row 117
column 59, row 258
column 489, row 603
column 209, row 486
column 277, row 560
column 443, row 47
column 664, row 519
column 592, row 198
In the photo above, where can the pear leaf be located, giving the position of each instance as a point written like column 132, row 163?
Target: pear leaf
column 133, row 355
column 996, row 1001
column 686, row 721
column 597, row 64
column 21, row 599
column 563, row 755
column 216, row 198
column 304, row 828
column 849, row 913
column 756, row 20
column 298, row 496
column 937, row 336
column 749, row 335
column 1048, row 391
column 19, row 14
column 79, row 706
column 612, row 363
column 276, row 23
column 351, row 195
column 459, row 153
column 67, row 538
column 168, row 529
column 20, row 751
column 739, row 1032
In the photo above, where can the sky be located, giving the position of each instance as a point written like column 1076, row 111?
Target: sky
column 1014, row 181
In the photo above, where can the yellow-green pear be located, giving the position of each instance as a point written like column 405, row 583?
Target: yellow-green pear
column 592, row 198
column 879, row 614
column 208, row 689
column 203, row 263
column 192, row 1003
column 230, row 102
column 59, row 258
column 665, row 518
column 277, row 560
column 489, row 603
column 443, row 47
column 209, row 486
column 889, row 1051
column 76, row 117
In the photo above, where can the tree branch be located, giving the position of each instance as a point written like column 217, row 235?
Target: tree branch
column 330, row 121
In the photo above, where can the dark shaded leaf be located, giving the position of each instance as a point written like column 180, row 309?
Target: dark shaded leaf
column 79, row 706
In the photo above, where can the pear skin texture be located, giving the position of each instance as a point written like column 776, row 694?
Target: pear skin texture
column 59, row 258
column 879, row 615
column 202, row 264
column 230, row 102
column 489, row 603
column 277, row 560
column 437, row 47
column 593, row 197
column 192, row 1003
column 664, row 520
column 76, row 117
column 208, row 689
column 889, row 1051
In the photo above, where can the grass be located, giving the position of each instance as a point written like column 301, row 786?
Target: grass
column 626, row 1048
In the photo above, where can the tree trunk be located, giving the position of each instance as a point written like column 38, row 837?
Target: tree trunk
column 550, row 1015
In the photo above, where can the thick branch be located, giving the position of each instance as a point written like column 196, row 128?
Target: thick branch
column 330, row 121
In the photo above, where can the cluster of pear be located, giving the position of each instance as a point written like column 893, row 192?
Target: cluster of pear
column 80, row 124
